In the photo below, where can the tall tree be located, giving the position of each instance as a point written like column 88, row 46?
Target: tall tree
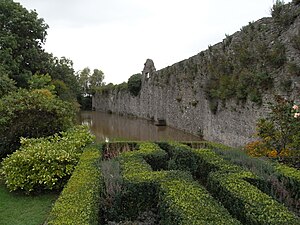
column 83, row 78
column 64, row 78
column 22, row 35
column 96, row 80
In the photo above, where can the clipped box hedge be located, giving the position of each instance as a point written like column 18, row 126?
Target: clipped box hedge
column 79, row 202
column 248, row 203
column 180, row 199
column 138, row 195
column 183, row 201
column 290, row 177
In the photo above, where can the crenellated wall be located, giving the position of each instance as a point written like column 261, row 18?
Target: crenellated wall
column 179, row 95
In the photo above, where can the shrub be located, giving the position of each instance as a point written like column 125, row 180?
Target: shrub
column 280, row 15
column 246, row 202
column 31, row 114
column 45, row 163
column 80, row 199
column 270, row 180
column 135, row 84
column 184, row 201
column 281, row 129
column 7, row 85
column 181, row 157
column 181, row 200
column 228, row 183
column 291, row 177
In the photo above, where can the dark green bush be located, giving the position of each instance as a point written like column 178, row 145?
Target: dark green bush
column 45, row 163
column 79, row 202
column 181, row 157
column 31, row 114
column 135, row 84
column 154, row 155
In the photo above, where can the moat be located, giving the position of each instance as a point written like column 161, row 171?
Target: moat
column 123, row 128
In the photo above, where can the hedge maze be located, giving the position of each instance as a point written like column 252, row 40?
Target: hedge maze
column 179, row 183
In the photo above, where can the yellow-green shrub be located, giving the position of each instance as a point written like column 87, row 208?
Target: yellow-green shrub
column 79, row 201
column 45, row 163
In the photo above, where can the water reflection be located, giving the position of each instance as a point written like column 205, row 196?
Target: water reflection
column 118, row 128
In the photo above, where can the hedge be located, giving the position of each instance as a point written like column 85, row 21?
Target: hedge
column 228, row 183
column 266, row 171
column 137, row 195
column 80, row 199
column 248, row 203
column 290, row 177
column 45, row 163
column 180, row 199
column 183, row 201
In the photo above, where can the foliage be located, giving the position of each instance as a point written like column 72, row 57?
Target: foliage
column 181, row 157
column 181, row 200
column 96, row 80
column 38, row 81
column 275, row 182
column 63, row 78
column 228, row 183
column 33, row 113
column 79, row 200
column 7, row 85
column 184, row 201
column 90, row 82
column 246, row 202
column 281, row 129
column 280, row 16
column 135, row 84
column 45, row 163
column 22, row 36
column 291, row 177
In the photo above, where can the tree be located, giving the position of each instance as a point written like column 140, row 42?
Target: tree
column 7, row 85
column 281, row 129
column 64, row 78
column 135, row 84
column 83, row 78
column 96, row 80
column 22, row 35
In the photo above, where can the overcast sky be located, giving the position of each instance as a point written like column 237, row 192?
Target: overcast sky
column 117, row 36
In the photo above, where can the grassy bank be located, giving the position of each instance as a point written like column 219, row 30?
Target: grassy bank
column 19, row 209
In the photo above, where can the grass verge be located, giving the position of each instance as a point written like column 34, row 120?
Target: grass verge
column 20, row 209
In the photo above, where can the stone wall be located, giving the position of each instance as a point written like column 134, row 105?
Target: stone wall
column 178, row 93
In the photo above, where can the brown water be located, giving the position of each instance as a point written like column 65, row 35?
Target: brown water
column 122, row 128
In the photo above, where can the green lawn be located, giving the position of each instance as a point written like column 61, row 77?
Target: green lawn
column 19, row 209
